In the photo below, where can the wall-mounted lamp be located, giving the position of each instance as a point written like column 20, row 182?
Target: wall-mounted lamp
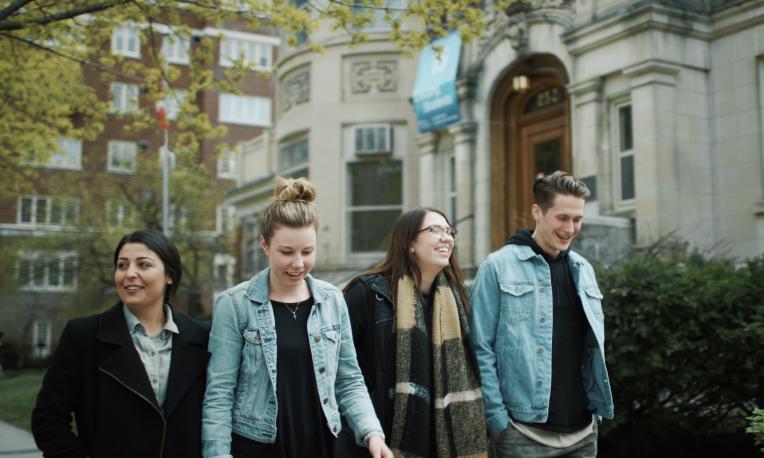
column 520, row 83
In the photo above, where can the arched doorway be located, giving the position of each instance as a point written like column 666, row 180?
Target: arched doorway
column 530, row 135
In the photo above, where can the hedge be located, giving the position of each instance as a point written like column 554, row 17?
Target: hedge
column 685, row 351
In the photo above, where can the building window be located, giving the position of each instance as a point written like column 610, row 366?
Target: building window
column 293, row 156
column 47, row 211
column 172, row 102
column 124, row 98
column 68, row 155
column 375, row 201
column 125, row 41
column 227, row 164
column 623, row 141
column 175, row 49
column 178, row 216
column 225, row 219
column 373, row 139
column 41, row 338
column 249, row 52
column 119, row 213
column 121, row 157
column 223, row 267
column 245, row 109
column 45, row 271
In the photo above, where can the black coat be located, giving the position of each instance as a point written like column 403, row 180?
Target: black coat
column 373, row 321
column 97, row 374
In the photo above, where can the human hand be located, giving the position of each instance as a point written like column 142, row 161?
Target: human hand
column 377, row 448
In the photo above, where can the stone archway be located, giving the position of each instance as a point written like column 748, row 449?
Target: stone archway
column 529, row 135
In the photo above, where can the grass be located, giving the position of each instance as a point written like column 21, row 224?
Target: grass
column 18, row 392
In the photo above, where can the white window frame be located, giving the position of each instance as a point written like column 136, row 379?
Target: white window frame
column 122, row 37
column 365, row 148
column 64, row 260
column 125, row 98
column 65, row 203
column 245, row 110
column 176, row 49
column 226, row 166
column 225, row 219
column 44, row 327
column 618, row 154
column 291, row 168
column 128, row 151
column 350, row 208
column 68, row 156
column 123, row 211
column 253, row 53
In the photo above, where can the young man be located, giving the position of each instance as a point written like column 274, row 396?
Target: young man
column 539, row 335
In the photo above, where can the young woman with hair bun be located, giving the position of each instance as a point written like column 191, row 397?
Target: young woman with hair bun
column 283, row 362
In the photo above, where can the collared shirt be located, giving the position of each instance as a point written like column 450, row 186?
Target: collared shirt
column 155, row 351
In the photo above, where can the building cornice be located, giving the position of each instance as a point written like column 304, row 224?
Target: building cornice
column 632, row 20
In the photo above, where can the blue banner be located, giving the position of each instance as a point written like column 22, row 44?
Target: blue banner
column 435, row 98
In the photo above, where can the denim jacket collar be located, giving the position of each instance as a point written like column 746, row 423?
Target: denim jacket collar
column 258, row 288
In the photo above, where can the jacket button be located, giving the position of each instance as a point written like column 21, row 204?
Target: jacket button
column 541, row 290
column 542, row 319
column 321, row 370
column 540, row 350
column 539, row 382
column 317, row 338
column 326, row 400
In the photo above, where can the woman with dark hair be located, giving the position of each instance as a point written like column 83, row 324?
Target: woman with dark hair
column 411, row 334
column 134, row 375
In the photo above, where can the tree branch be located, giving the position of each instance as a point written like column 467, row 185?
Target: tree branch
column 62, row 15
column 72, row 58
column 12, row 8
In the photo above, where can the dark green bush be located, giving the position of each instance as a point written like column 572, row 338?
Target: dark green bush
column 685, row 350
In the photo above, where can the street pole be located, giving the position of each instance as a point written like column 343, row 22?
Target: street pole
column 165, row 152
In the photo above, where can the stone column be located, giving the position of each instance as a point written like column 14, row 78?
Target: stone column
column 656, row 171
column 464, row 158
column 426, row 147
column 589, row 143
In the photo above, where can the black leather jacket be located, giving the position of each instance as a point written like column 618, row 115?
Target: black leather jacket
column 373, row 321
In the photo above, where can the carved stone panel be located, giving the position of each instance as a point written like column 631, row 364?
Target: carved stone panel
column 295, row 89
column 370, row 75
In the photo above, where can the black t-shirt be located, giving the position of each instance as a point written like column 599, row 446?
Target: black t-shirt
column 301, row 428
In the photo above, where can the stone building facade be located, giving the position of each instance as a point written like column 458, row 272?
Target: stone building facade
column 656, row 104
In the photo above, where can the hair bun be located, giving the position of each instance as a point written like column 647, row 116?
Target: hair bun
column 294, row 190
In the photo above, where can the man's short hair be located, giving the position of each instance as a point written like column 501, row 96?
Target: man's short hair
column 546, row 188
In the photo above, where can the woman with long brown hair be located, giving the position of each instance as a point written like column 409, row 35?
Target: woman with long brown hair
column 410, row 329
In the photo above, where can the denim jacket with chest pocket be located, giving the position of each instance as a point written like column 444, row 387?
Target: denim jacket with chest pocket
column 511, row 320
column 241, row 375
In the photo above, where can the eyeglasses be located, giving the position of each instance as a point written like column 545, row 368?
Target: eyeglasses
column 440, row 230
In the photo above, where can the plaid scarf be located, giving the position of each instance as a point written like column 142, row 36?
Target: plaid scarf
column 437, row 390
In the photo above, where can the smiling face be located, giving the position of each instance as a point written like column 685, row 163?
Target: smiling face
column 291, row 255
column 140, row 277
column 559, row 224
column 432, row 252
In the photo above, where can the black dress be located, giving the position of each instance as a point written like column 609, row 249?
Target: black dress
column 301, row 428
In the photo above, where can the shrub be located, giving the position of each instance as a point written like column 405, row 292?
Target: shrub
column 757, row 427
column 684, row 350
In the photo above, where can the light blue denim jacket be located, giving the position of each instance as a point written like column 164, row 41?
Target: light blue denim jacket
column 241, row 375
column 511, row 319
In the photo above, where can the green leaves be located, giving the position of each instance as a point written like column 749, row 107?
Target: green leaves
column 684, row 345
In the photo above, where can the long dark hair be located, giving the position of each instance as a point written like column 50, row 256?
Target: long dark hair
column 157, row 242
column 399, row 260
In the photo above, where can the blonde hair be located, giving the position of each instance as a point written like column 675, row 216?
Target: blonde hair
column 291, row 206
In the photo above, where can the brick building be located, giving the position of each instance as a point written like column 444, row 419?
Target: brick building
column 89, row 192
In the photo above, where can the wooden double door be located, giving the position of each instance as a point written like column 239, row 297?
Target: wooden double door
column 531, row 137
